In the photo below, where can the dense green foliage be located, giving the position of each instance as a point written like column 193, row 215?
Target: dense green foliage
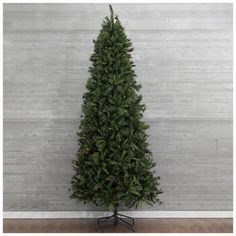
column 113, row 165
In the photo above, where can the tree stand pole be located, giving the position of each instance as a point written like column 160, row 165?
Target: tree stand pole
column 116, row 219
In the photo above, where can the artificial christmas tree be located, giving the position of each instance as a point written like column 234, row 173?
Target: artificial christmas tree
column 113, row 166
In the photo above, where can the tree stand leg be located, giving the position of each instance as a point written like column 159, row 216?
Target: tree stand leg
column 116, row 219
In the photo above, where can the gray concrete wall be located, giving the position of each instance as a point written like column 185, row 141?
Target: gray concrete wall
column 183, row 56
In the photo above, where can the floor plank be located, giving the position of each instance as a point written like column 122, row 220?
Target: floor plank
column 162, row 225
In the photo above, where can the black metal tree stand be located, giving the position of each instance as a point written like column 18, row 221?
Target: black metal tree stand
column 116, row 219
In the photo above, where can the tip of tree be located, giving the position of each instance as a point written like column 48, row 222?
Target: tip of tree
column 111, row 10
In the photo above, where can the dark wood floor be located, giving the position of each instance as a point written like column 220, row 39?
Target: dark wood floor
column 141, row 226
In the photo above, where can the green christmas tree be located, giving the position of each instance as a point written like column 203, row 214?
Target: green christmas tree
column 114, row 165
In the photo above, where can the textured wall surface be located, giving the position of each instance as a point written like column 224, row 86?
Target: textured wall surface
column 183, row 56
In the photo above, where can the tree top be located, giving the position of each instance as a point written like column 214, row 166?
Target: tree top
column 111, row 10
